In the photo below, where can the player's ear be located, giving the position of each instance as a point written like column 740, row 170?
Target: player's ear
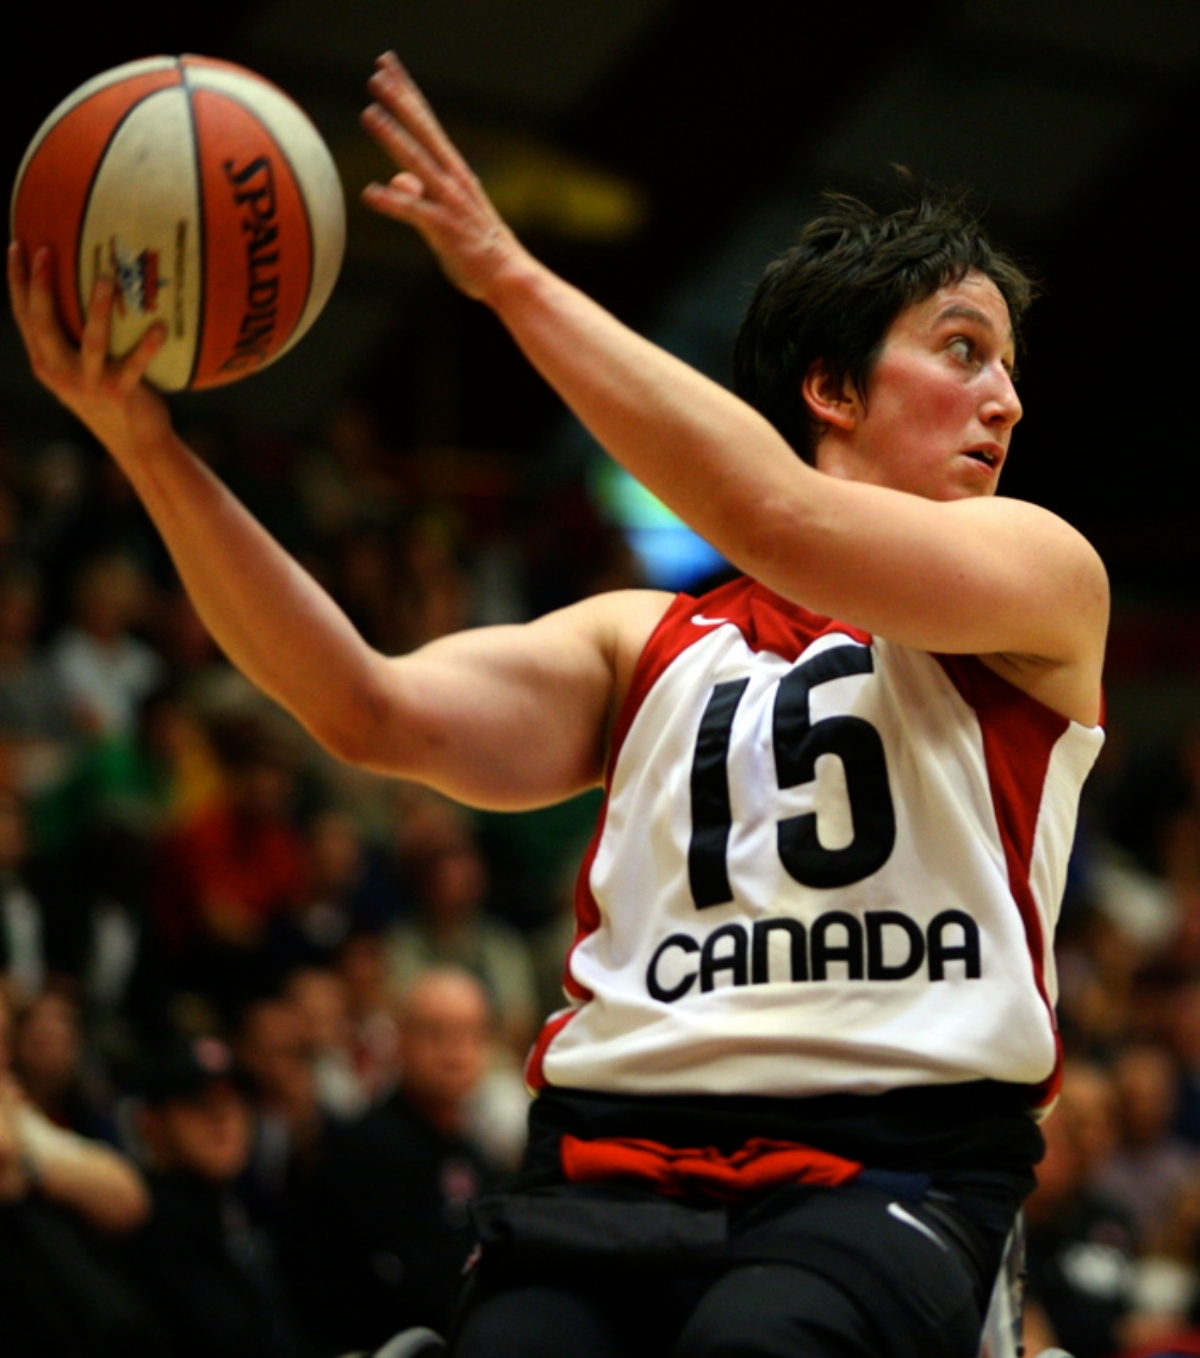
column 830, row 400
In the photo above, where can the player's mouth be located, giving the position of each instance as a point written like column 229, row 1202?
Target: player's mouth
column 990, row 455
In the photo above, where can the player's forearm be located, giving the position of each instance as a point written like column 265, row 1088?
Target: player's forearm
column 272, row 620
column 707, row 455
column 270, row 617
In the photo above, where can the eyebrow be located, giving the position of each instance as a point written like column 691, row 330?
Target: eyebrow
column 959, row 311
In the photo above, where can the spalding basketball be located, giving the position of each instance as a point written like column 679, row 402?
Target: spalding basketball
column 207, row 194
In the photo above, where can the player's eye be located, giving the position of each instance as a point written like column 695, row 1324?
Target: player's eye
column 963, row 348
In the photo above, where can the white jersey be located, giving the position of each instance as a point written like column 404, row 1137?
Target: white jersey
column 825, row 863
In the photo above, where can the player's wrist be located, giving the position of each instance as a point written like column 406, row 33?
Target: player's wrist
column 139, row 432
column 513, row 277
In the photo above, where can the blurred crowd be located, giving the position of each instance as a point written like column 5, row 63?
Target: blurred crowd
column 1114, row 1225
column 262, row 1017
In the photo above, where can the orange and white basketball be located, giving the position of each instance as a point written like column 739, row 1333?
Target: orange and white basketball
column 207, row 193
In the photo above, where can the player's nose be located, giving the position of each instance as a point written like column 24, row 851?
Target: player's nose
column 1002, row 406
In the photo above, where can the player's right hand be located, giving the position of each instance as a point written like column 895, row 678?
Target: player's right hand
column 436, row 191
column 106, row 394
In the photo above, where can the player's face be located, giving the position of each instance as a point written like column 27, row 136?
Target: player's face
column 940, row 404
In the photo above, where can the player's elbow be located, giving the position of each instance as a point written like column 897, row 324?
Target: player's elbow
column 775, row 542
column 351, row 732
column 366, row 726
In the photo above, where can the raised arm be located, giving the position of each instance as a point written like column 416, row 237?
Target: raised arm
column 86, row 1177
column 983, row 576
column 504, row 717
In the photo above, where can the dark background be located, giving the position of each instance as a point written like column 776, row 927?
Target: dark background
column 659, row 151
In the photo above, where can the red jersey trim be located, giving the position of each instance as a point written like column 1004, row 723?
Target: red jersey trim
column 535, row 1075
column 1019, row 735
column 587, row 921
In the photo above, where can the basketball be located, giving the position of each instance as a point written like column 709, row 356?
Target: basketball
column 210, row 198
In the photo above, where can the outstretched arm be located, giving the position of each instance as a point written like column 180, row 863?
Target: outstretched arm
column 506, row 716
column 87, row 1177
column 980, row 576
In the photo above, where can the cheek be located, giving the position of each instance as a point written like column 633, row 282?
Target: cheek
column 899, row 395
column 925, row 396
column 933, row 421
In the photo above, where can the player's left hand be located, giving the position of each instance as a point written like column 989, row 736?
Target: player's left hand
column 107, row 394
column 436, row 191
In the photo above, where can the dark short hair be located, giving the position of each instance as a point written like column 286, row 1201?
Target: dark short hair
column 833, row 296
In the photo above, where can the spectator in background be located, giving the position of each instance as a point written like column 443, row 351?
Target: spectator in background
column 1183, row 1039
column 84, row 509
column 1101, row 963
column 432, row 594
column 449, row 925
column 362, row 574
column 1167, row 1283
column 1091, row 1097
column 63, row 1197
column 38, row 730
column 1151, row 1164
column 109, row 951
column 94, row 1181
column 446, row 1027
column 48, row 1058
column 149, row 779
column 23, row 926
column 349, row 477
column 191, row 655
column 349, row 886
column 374, row 1234
column 231, row 875
column 274, row 1047
column 321, row 995
column 52, row 488
column 207, row 1272
column 361, row 963
column 106, row 669
column 1081, row 1248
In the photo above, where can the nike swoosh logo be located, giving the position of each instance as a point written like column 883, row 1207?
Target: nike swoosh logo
column 701, row 621
column 902, row 1214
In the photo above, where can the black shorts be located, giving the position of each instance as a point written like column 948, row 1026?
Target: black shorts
column 858, row 1271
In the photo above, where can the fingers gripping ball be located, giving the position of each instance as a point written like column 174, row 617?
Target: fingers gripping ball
column 209, row 197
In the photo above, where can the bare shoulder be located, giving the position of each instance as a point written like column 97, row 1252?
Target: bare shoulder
column 1070, row 585
column 1031, row 514
column 1038, row 543
column 612, row 629
column 1005, row 521
column 619, row 622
